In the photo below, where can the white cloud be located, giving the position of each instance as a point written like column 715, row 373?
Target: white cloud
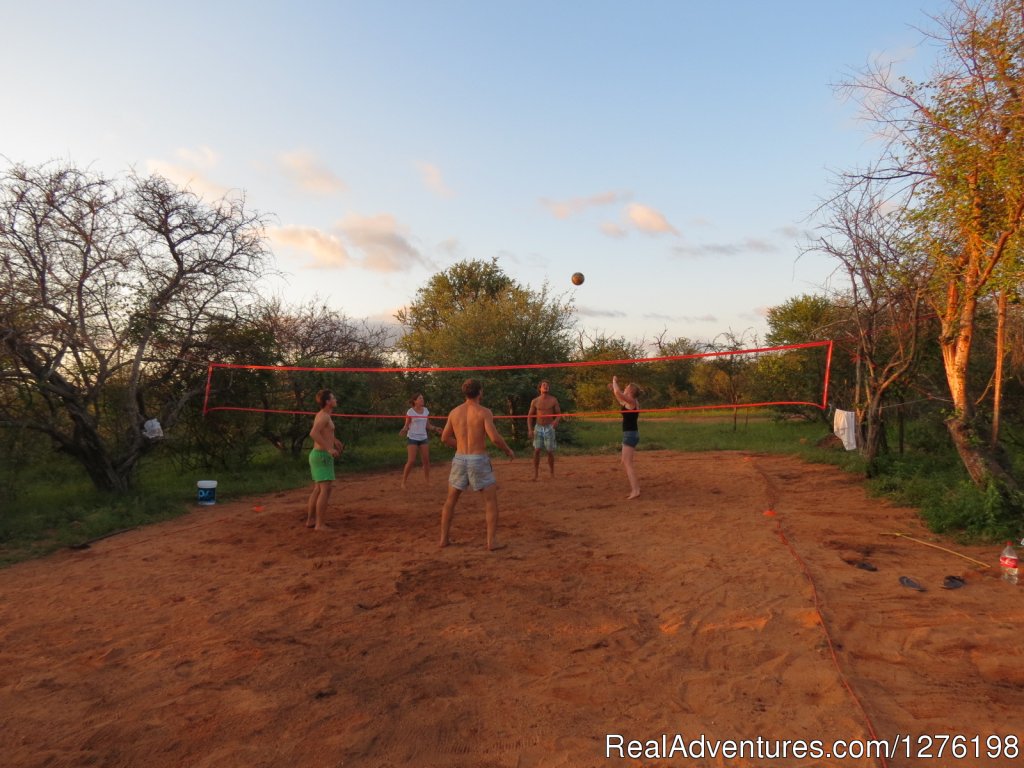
column 564, row 209
column 309, row 174
column 738, row 248
column 203, row 157
column 681, row 318
column 434, row 180
column 375, row 243
column 451, row 247
column 384, row 243
column 326, row 250
column 613, row 230
column 647, row 219
column 591, row 312
column 191, row 172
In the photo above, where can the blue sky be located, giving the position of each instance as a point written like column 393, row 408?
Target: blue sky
column 671, row 151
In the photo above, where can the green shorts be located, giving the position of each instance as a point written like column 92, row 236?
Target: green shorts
column 321, row 465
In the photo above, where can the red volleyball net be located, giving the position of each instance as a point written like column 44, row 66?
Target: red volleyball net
column 794, row 376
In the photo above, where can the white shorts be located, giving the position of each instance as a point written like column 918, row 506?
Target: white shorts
column 471, row 470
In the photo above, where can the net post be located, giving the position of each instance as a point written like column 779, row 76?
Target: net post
column 206, row 395
column 828, row 373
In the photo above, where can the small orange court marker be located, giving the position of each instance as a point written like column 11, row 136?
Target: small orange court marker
column 769, row 513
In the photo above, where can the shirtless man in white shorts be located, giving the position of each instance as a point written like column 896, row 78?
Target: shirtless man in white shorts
column 467, row 429
column 541, row 421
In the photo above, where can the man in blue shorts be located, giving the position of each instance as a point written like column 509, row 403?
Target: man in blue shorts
column 544, row 413
column 467, row 429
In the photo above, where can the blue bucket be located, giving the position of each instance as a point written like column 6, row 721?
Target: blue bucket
column 206, row 493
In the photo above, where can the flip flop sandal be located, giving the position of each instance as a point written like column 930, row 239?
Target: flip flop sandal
column 952, row 582
column 865, row 566
column 909, row 583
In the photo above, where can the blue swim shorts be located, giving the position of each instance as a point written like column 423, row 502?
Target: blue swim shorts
column 471, row 470
column 544, row 437
column 630, row 437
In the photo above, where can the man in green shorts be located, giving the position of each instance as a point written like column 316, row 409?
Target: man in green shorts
column 326, row 448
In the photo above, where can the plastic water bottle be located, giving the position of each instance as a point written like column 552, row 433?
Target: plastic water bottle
column 1008, row 562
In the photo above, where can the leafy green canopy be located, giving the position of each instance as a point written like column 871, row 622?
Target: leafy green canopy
column 473, row 314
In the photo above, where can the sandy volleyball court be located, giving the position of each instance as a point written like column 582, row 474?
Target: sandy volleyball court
column 236, row 637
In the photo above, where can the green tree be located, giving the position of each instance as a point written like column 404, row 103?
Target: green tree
column 672, row 379
column 809, row 317
column 315, row 335
column 106, row 290
column 800, row 375
column 957, row 146
column 309, row 335
column 724, row 378
column 473, row 314
column 590, row 384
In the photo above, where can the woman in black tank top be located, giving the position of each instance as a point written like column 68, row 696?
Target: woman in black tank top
column 630, row 406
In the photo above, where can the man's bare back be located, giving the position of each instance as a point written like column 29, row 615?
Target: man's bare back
column 469, row 425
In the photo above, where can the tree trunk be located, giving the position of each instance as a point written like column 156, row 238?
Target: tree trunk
column 105, row 475
column 980, row 461
column 979, row 458
column 874, row 442
column 901, row 423
column 510, row 409
column 88, row 447
column 997, row 397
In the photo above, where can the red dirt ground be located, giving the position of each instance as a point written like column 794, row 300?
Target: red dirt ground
column 236, row 637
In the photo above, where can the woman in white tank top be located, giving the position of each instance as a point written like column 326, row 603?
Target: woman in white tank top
column 417, row 430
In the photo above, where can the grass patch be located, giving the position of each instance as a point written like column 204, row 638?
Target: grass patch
column 700, row 431
column 947, row 499
column 43, row 516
